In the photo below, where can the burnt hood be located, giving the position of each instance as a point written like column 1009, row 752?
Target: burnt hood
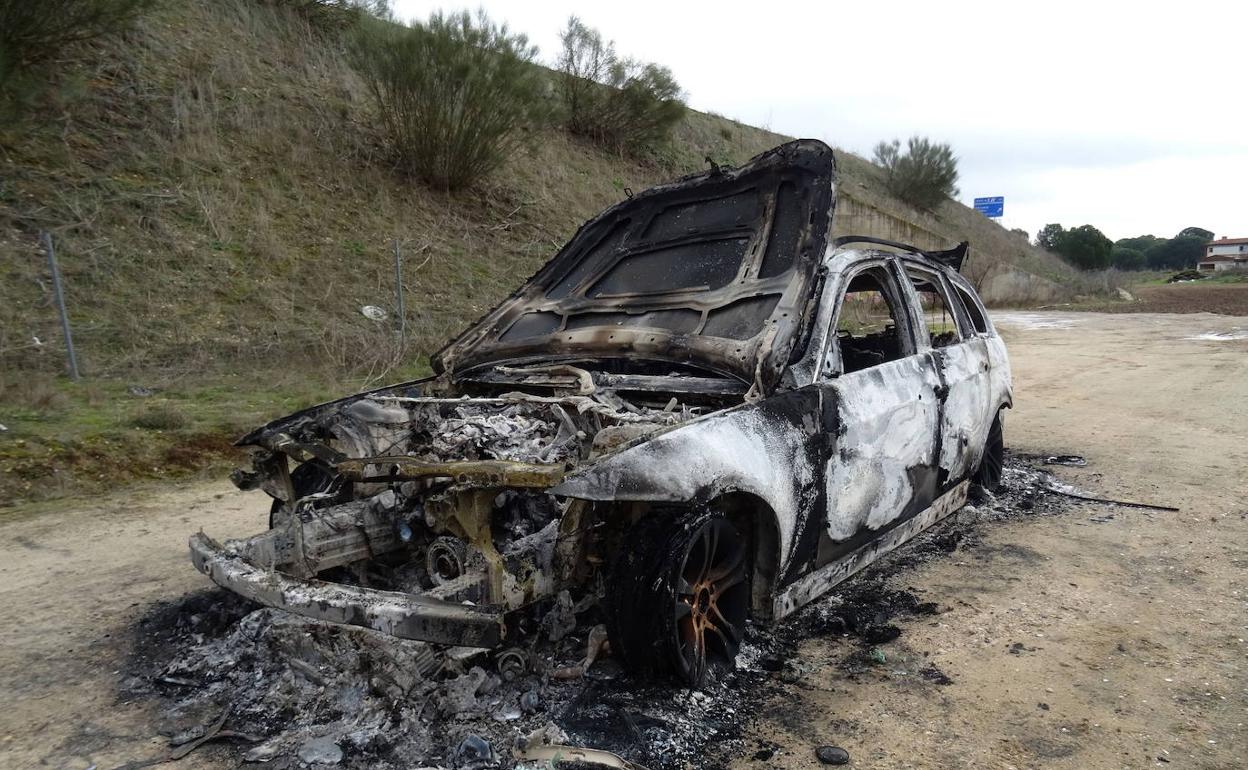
column 714, row 271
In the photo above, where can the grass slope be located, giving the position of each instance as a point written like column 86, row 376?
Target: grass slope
column 223, row 207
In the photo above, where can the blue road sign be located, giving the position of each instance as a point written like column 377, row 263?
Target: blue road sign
column 991, row 207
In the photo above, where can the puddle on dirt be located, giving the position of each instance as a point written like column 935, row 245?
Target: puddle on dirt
column 1032, row 321
column 1231, row 336
column 298, row 692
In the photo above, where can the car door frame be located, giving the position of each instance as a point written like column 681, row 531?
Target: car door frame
column 880, row 426
column 966, row 408
column 808, row 370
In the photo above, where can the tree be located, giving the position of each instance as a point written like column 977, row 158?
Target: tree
column 924, row 175
column 1048, row 236
column 1141, row 243
column 1085, row 247
column 1195, row 232
column 1127, row 258
column 456, row 95
column 1177, row 253
column 624, row 104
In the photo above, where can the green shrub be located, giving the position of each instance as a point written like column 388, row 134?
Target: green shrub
column 336, row 14
column 923, row 176
column 456, row 95
column 623, row 104
column 159, row 417
column 34, row 33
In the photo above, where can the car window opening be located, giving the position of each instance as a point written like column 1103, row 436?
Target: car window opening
column 938, row 316
column 973, row 311
column 866, row 327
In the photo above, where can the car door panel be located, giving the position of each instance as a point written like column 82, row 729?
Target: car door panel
column 966, row 412
column 882, row 461
column 882, row 454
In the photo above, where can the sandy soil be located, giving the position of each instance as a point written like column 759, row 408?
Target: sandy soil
column 1070, row 642
column 1132, row 631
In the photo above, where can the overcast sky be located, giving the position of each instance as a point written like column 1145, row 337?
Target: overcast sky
column 1129, row 116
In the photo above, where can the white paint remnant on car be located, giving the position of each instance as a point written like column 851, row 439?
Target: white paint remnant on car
column 888, row 426
column 740, row 450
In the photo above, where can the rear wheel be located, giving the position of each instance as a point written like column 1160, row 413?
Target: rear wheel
column 678, row 595
column 992, row 464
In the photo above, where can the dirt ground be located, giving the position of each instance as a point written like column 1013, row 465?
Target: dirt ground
column 1103, row 637
column 1225, row 298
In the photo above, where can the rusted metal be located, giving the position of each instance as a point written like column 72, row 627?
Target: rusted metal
column 486, row 473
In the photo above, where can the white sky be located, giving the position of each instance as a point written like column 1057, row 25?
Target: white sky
column 1129, row 116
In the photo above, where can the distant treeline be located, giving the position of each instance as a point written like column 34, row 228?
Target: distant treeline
column 1088, row 248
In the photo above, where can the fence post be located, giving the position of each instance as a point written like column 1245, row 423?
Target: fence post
column 398, row 292
column 60, row 305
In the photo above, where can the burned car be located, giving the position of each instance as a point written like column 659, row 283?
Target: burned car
column 702, row 410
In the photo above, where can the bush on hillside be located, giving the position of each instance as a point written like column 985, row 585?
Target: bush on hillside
column 923, row 176
column 336, row 14
column 36, row 32
column 456, row 95
column 626, row 105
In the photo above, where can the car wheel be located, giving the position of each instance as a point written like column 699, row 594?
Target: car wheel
column 678, row 595
column 991, row 465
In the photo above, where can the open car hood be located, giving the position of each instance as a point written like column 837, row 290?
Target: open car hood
column 713, row 271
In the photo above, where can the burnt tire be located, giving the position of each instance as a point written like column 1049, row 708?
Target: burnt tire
column 992, row 464
column 678, row 596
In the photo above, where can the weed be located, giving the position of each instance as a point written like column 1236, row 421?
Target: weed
column 159, row 417
column 32, row 390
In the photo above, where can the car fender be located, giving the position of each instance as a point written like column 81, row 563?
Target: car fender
column 768, row 449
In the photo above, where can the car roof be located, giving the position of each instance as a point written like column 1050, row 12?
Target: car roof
column 904, row 252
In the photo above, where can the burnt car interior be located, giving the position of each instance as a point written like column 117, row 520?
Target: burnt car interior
column 941, row 323
column 867, row 328
column 973, row 312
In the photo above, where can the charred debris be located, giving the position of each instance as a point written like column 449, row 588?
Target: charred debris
column 294, row 686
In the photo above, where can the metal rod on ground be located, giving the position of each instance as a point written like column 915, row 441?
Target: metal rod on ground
column 398, row 290
column 60, row 305
column 1106, row 500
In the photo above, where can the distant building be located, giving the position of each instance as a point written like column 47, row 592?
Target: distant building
column 1224, row 254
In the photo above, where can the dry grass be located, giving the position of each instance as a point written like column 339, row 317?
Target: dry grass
column 220, row 201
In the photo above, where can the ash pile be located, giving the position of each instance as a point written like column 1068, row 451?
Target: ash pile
column 294, row 693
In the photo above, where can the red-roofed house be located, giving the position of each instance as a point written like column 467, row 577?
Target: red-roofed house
column 1224, row 254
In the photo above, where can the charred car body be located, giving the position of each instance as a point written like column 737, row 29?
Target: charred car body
column 701, row 410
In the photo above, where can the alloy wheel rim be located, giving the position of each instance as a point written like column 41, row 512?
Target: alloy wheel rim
column 710, row 600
